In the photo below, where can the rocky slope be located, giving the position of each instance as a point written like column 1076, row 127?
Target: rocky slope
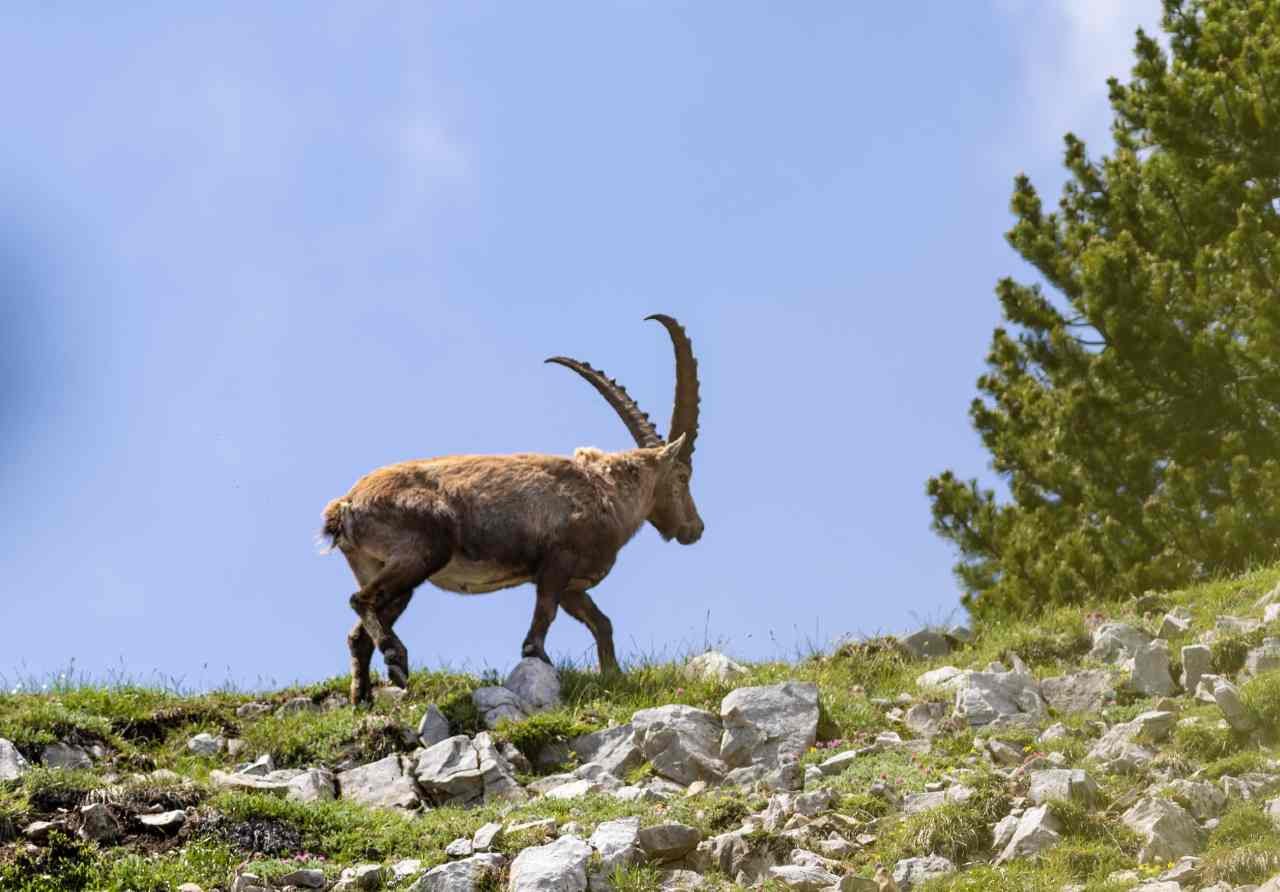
column 1131, row 750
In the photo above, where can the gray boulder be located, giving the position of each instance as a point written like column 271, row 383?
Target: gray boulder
column 1262, row 659
column 536, row 684
column 926, row 643
column 384, row 783
column 449, row 772
column 433, row 727
column 498, row 704
column 486, row 837
column 165, row 821
column 1070, row 784
column 1167, row 830
column 912, row 872
column 305, row 878
column 98, row 824
column 12, row 763
column 1197, row 661
column 765, row 725
column 1037, row 831
column 1235, row 625
column 467, row 875
column 1116, row 642
column 1078, row 692
column 681, row 742
column 1176, row 622
column 926, row 719
column 714, row 666
column 496, row 773
column 560, row 866
column 614, row 749
column 738, row 855
column 249, row 783
column 206, row 744
column 65, row 755
column 1203, row 799
column 983, row 698
column 312, row 785
column 617, row 843
column 807, row 878
column 295, row 705
column 1149, row 670
column 1238, row 716
column 665, row 843
column 944, row 678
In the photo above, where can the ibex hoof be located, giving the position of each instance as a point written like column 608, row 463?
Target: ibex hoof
column 533, row 650
column 397, row 675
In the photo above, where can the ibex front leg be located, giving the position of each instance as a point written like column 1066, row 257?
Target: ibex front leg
column 551, row 582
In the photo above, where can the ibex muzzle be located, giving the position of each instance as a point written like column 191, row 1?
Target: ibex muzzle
column 478, row 523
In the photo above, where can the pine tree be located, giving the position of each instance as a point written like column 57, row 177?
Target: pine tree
column 1132, row 407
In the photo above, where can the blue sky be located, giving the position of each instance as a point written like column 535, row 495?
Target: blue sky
column 249, row 253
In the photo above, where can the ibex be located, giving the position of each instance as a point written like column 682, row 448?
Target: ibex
column 478, row 523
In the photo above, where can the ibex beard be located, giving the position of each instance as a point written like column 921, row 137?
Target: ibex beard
column 479, row 523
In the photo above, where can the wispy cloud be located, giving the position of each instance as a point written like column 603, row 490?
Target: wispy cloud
column 1069, row 49
column 426, row 152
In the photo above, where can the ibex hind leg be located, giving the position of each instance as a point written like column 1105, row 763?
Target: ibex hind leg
column 551, row 581
column 580, row 606
column 364, row 568
column 361, row 647
column 385, row 589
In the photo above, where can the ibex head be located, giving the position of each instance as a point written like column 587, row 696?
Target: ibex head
column 674, row 514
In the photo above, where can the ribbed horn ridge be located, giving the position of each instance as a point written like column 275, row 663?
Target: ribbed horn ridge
column 684, row 415
column 616, row 395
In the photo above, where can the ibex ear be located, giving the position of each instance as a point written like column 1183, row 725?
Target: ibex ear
column 671, row 450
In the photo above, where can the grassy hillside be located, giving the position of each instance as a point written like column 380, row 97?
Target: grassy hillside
column 143, row 763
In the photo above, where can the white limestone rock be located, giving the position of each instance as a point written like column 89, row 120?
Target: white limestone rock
column 1069, row 784
column 614, row 749
column 98, row 824
column 449, row 772
column 1037, row 831
column 467, row 875
column 681, row 742
column 769, row 724
column 536, row 684
column 1203, row 799
column 1197, row 661
column 560, row 866
column 984, row 698
column 911, row 872
column 714, row 666
column 926, row 643
column 1086, row 691
column 944, row 678
column 617, row 843
column 384, row 783
column 12, row 763
column 65, row 755
column 496, row 704
column 665, row 843
column 1116, row 642
column 1238, row 716
column 1262, row 659
column 433, row 726
column 1167, row 830
column 1149, row 670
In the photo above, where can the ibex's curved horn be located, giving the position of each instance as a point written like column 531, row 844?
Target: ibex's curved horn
column 684, row 415
column 616, row 395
